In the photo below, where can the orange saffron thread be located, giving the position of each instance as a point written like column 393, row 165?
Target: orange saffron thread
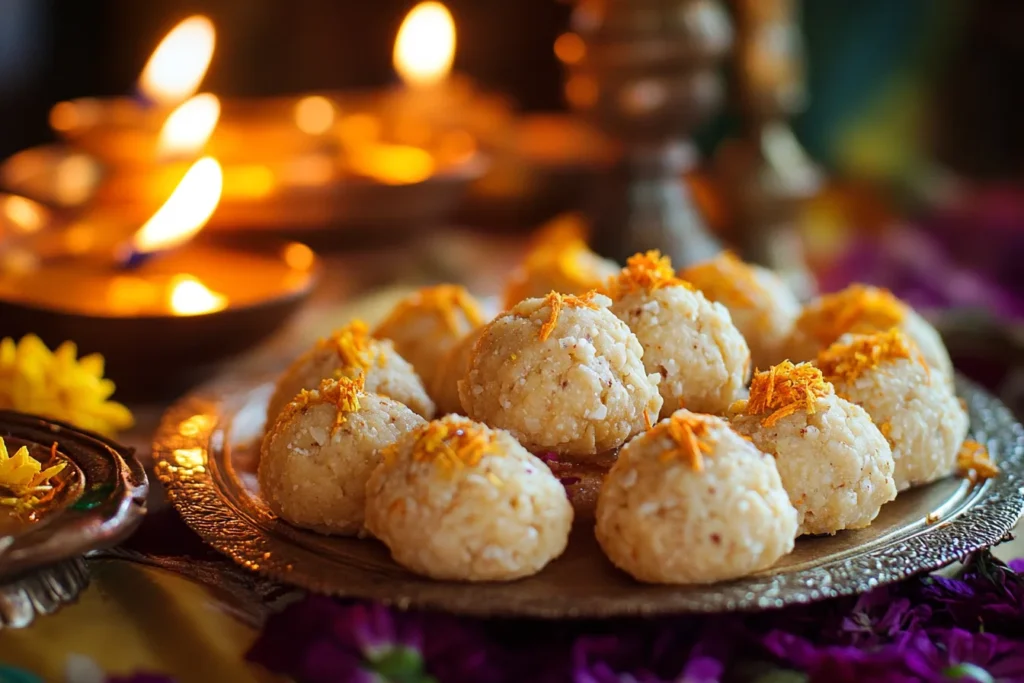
column 858, row 308
column 645, row 272
column 342, row 392
column 848, row 361
column 453, row 443
column 647, row 420
column 445, row 301
column 785, row 389
column 354, row 346
column 688, row 432
column 974, row 463
column 556, row 302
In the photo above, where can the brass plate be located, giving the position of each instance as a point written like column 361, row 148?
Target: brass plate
column 204, row 454
column 101, row 497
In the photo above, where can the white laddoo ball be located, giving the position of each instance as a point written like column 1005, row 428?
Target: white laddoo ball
column 456, row 500
column 352, row 352
column 428, row 324
column 453, row 368
column 862, row 309
column 316, row 459
column 691, row 501
column 917, row 412
column 689, row 341
column 562, row 374
column 558, row 260
column 762, row 307
column 835, row 465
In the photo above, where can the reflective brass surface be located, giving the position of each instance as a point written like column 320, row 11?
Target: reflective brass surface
column 205, row 456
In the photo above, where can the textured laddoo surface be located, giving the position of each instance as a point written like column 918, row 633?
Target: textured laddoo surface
column 834, row 462
column 351, row 352
column 862, row 309
column 453, row 368
column 456, row 500
column 691, row 501
column 558, row 260
column 316, row 459
column 690, row 342
column 917, row 412
column 562, row 374
column 762, row 307
column 428, row 324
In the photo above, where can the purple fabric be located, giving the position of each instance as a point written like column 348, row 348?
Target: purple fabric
column 925, row 630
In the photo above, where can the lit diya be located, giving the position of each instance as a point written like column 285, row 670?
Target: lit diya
column 158, row 305
column 63, row 492
column 323, row 159
column 125, row 128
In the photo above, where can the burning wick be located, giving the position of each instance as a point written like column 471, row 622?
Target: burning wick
column 181, row 217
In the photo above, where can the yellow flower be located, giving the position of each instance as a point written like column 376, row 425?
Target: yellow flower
column 22, row 477
column 58, row 385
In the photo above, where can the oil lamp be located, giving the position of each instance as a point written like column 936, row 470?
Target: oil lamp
column 124, row 129
column 160, row 305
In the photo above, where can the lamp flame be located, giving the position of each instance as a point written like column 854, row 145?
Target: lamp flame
column 425, row 46
column 189, row 296
column 189, row 126
column 186, row 211
column 179, row 63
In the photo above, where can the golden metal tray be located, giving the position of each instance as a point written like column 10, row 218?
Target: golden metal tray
column 206, row 449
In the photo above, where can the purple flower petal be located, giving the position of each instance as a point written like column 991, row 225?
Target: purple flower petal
column 1002, row 659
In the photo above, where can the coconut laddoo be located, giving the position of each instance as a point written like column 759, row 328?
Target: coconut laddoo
column 701, row 357
column 453, row 367
column 760, row 304
column 558, row 260
column 316, row 459
column 428, row 324
column 834, row 462
column 351, row 352
column 561, row 374
column 458, row 500
column 691, row 501
column 917, row 412
column 862, row 309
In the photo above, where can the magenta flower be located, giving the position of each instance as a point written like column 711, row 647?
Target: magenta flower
column 956, row 654
column 841, row 663
column 320, row 640
column 987, row 596
column 652, row 652
column 880, row 617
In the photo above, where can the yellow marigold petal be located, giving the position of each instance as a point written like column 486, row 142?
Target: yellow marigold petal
column 58, row 386
column 93, row 364
column 8, row 352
